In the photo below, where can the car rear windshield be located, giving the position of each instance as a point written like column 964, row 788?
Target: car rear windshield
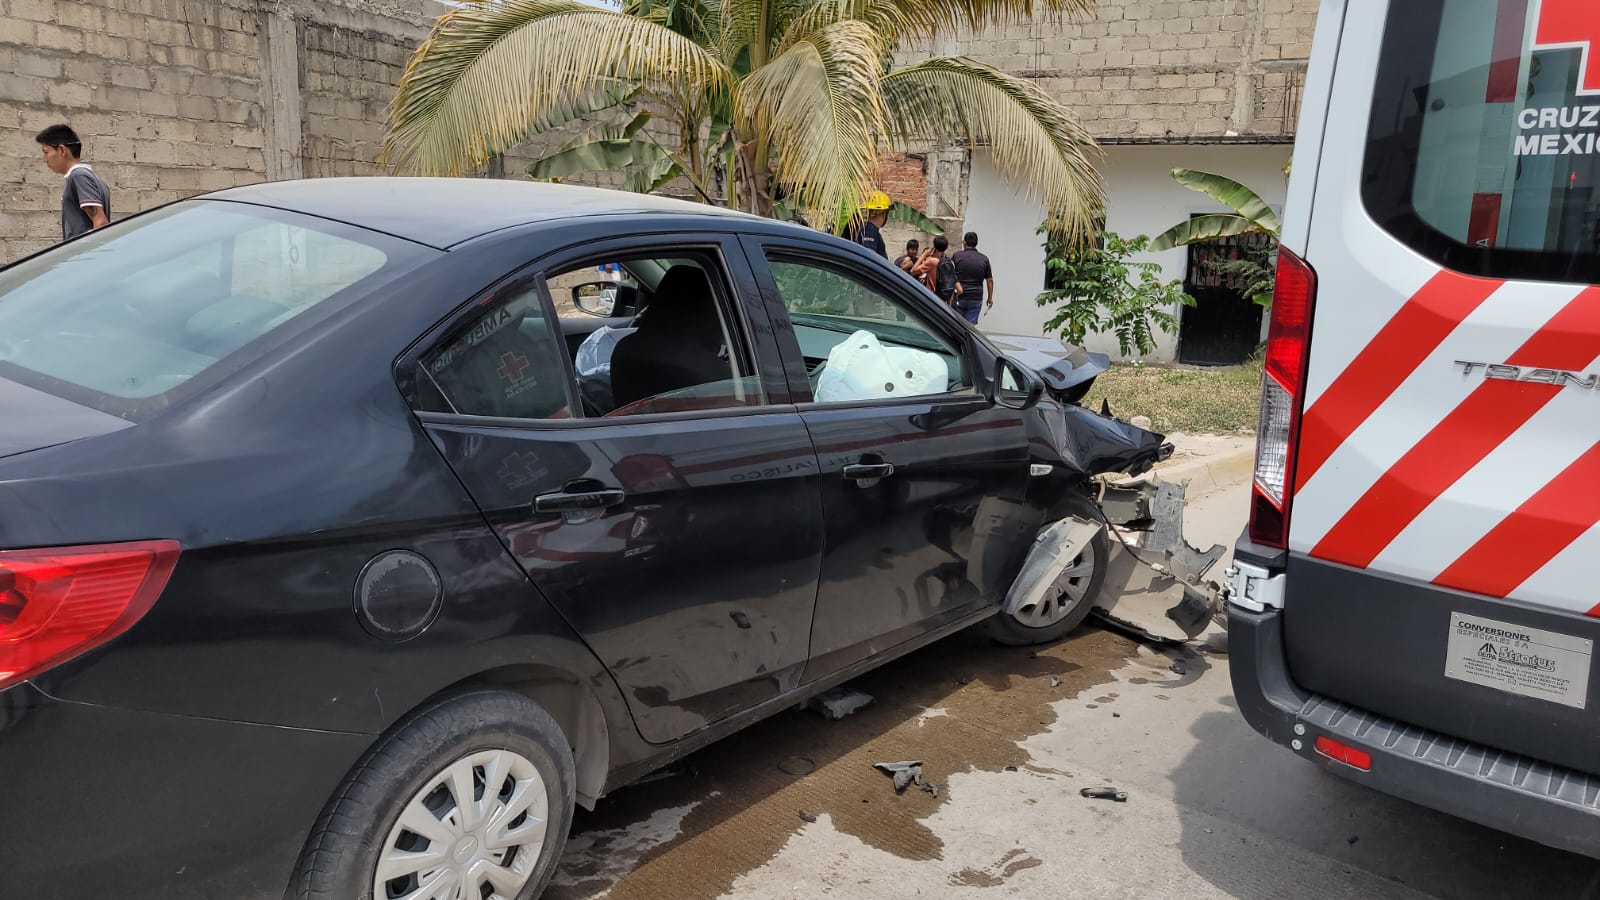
column 124, row 318
column 1484, row 146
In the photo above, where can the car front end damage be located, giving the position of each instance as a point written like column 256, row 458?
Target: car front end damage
column 1156, row 583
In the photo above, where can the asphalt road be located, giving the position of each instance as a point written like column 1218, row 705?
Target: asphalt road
column 792, row 808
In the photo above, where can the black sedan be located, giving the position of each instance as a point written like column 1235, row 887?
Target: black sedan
column 353, row 531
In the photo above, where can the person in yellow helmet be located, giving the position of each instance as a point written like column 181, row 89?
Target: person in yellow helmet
column 869, row 232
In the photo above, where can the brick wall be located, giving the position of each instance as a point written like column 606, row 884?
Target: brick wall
column 1163, row 69
column 347, row 81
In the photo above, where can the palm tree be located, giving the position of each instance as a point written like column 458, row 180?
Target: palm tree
column 791, row 100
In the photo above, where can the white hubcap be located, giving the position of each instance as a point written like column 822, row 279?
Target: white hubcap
column 474, row 832
column 1070, row 589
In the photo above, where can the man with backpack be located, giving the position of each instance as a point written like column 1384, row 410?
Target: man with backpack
column 937, row 271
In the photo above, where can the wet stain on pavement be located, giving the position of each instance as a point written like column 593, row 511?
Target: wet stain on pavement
column 746, row 803
column 995, row 875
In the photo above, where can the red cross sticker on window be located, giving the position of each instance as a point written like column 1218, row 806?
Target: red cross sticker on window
column 1566, row 24
column 512, row 365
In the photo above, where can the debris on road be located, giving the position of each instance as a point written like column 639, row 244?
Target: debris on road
column 1104, row 793
column 809, row 817
column 1177, row 668
column 966, row 680
column 905, row 774
column 1116, row 715
column 1351, row 840
column 838, row 703
column 1055, row 681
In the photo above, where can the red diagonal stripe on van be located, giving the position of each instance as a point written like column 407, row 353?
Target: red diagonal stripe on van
column 1385, row 363
column 1490, row 414
column 1529, row 538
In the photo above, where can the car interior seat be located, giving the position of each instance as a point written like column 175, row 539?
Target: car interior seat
column 678, row 342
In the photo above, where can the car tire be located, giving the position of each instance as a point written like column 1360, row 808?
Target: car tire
column 405, row 788
column 1038, row 626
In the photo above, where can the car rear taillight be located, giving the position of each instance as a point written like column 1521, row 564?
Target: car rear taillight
column 58, row 603
column 1283, row 388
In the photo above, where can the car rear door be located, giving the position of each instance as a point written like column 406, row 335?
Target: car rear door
column 923, row 490
column 1446, row 489
column 680, row 535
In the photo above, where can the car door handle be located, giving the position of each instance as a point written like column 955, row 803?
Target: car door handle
column 577, row 501
column 868, row 471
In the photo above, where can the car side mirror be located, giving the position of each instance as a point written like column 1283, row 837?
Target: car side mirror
column 1015, row 386
column 597, row 298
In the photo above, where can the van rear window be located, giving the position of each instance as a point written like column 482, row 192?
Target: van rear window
column 1483, row 151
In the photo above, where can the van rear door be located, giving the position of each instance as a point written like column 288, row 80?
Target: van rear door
column 1446, row 486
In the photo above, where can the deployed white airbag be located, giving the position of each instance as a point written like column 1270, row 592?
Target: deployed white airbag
column 861, row 368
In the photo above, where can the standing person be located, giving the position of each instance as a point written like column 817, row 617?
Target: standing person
column 973, row 273
column 85, row 199
column 909, row 260
column 935, row 271
column 869, row 232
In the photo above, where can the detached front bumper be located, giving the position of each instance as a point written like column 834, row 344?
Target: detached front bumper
column 1549, row 804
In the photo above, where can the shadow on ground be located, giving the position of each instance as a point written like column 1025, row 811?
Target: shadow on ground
column 962, row 704
column 1234, row 775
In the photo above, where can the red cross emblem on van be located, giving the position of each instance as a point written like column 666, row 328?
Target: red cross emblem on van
column 1566, row 24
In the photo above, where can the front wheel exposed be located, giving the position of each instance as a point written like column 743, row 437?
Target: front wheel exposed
column 1068, row 601
column 469, row 799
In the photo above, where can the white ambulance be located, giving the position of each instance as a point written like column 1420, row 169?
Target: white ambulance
column 1416, row 601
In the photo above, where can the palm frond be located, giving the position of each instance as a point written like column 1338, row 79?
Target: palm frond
column 493, row 69
column 945, row 16
column 820, row 106
column 1031, row 137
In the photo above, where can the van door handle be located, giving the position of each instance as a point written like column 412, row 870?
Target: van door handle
column 578, row 501
column 868, row 471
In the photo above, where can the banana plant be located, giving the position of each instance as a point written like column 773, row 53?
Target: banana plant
column 1251, row 214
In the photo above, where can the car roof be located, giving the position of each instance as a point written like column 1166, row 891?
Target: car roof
column 443, row 212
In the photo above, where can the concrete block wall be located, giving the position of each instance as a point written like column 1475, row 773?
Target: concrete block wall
column 1162, row 69
column 165, row 93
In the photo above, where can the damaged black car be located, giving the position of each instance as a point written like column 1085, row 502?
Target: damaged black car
column 354, row 531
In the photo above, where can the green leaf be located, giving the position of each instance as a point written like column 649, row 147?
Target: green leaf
column 649, row 179
column 595, row 156
column 910, row 215
column 1235, row 196
column 1201, row 228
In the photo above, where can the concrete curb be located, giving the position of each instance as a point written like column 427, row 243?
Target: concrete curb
column 1211, row 473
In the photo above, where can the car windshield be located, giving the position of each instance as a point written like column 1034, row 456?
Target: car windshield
column 122, row 317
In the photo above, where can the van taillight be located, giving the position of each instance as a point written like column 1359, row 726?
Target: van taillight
column 1283, row 388
column 59, row 603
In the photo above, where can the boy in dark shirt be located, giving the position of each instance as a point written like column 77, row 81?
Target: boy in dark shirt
column 973, row 274
column 85, row 199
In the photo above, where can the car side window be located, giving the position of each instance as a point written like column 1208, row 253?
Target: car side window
column 677, row 345
column 504, row 361
column 859, row 342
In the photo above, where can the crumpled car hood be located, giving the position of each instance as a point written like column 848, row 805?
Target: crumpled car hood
column 1062, row 367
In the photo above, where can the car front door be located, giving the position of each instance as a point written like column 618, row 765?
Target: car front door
column 674, row 522
column 923, row 479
